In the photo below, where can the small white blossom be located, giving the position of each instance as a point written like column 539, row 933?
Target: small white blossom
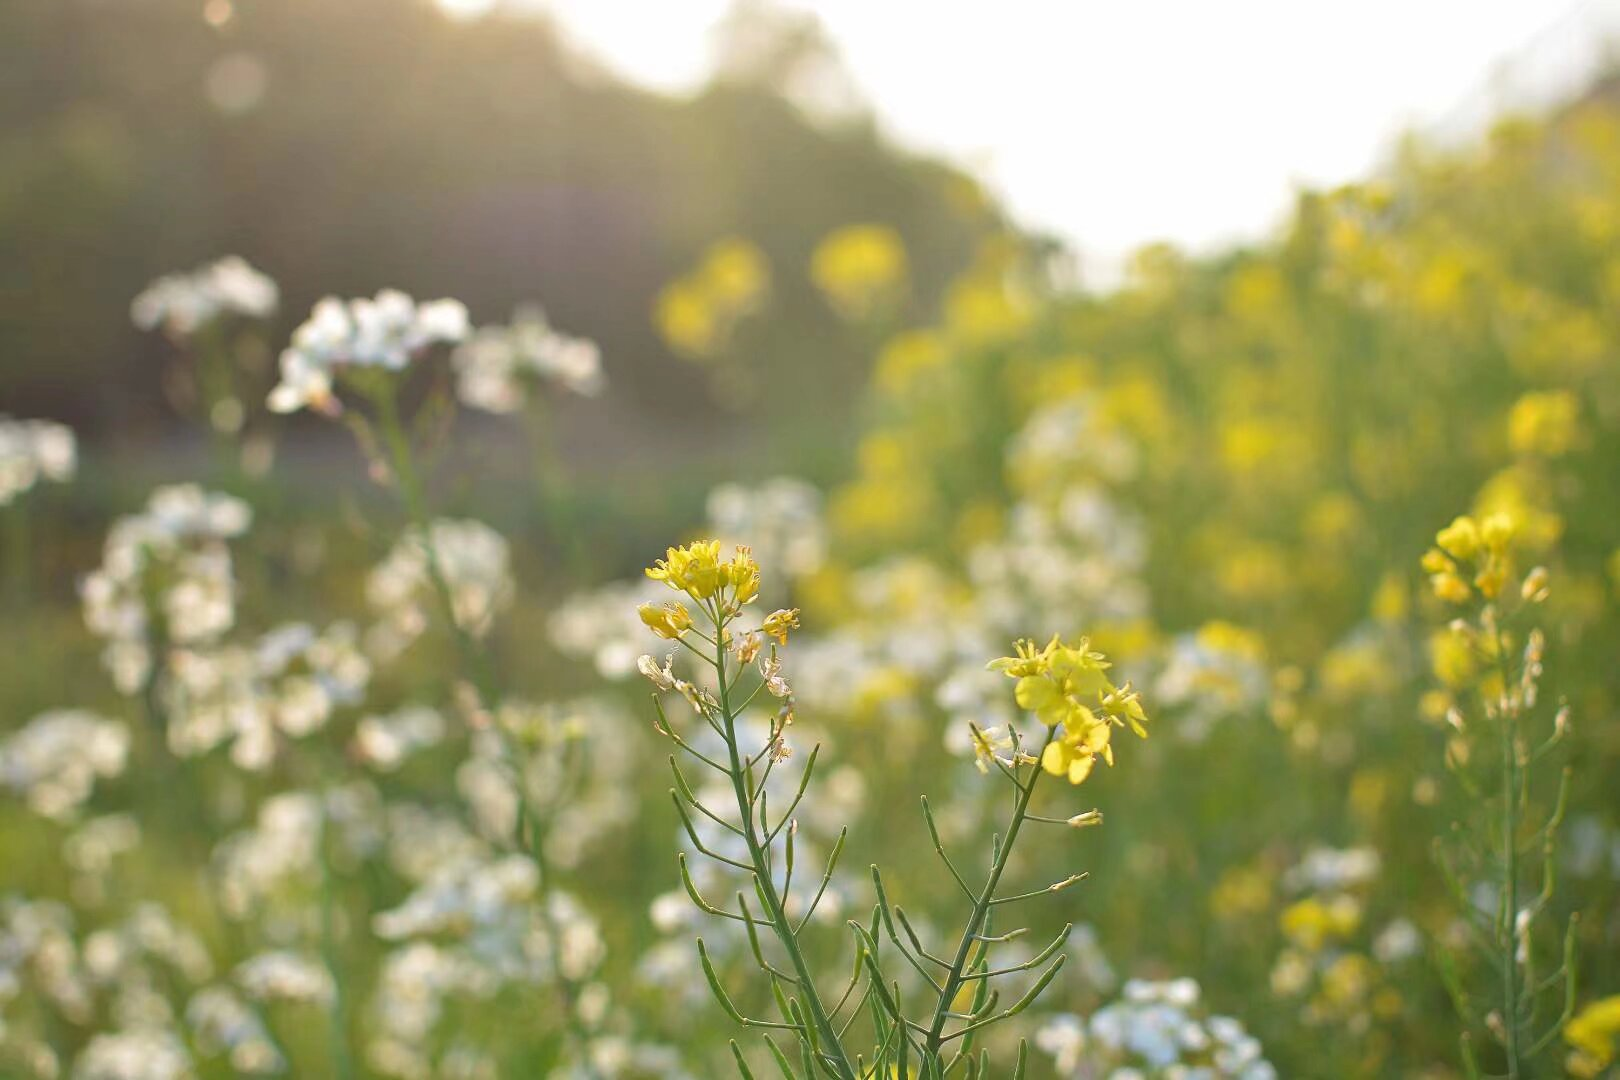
column 183, row 303
column 385, row 332
column 56, row 759
column 31, row 451
column 499, row 366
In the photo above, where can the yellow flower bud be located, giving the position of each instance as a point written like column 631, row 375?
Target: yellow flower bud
column 1435, row 561
column 1535, row 587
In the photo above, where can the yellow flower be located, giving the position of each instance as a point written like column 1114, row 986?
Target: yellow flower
column 1436, row 561
column 742, row 574
column 1068, row 689
column 1593, row 1033
column 778, row 623
column 694, row 569
column 859, row 268
column 735, row 274
column 1496, row 532
column 686, row 320
column 1545, row 424
column 1452, row 656
column 1062, row 759
column 666, row 620
column 1460, row 539
column 1311, row 923
column 697, row 570
column 1028, row 659
column 1451, row 588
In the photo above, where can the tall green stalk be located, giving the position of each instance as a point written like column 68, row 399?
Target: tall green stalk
column 832, row 1050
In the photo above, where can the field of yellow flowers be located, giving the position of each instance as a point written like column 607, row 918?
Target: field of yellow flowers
column 1211, row 678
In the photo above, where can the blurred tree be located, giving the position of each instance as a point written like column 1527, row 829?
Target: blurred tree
column 343, row 147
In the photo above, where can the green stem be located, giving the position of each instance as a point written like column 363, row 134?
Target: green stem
column 531, row 827
column 555, row 493
column 19, row 559
column 981, row 908
column 831, row 1045
column 337, row 1016
column 1508, row 933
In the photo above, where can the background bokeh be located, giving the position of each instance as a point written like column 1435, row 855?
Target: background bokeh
column 1225, row 470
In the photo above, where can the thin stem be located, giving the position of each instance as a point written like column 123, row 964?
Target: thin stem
column 1508, row 930
column 338, row 1015
column 981, row 908
column 831, row 1047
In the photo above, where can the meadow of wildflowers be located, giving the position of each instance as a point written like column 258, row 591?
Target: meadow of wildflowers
column 1210, row 678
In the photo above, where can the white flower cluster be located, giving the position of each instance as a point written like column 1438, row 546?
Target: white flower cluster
column 165, row 578
column 282, row 849
column 475, row 561
column 472, row 928
column 780, row 520
column 54, row 761
column 1326, row 869
column 412, row 988
column 1067, row 440
column 288, row 684
column 135, row 1054
column 574, row 766
column 1069, row 558
column 281, row 975
column 183, row 303
column 223, row 1024
column 1208, row 675
column 119, row 973
column 1154, row 1030
column 31, row 450
column 385, row 741
column 601, row 625
column 384, row 332
column 499, row 366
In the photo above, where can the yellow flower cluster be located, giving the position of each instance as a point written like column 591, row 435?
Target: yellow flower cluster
column 1068, row 689
column 1467, row 550
column 698, row 571
column 698, row 312
column 1593, row 1035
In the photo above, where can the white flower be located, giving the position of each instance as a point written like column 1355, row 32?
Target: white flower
column 183, row 303
column 32, row 450
column 384, row 742
column 476, row 563
column 280, row 975
column 386, row 331
column 165, row 573
column 499, row 365
column 137, row 1054
column 302, row 384
column 661, row 677
column 223, row 1023
column 56, row 759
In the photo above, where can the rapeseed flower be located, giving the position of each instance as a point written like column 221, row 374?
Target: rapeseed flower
column 1068, row 689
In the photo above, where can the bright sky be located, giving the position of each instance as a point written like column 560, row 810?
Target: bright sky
column 1114, row 124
